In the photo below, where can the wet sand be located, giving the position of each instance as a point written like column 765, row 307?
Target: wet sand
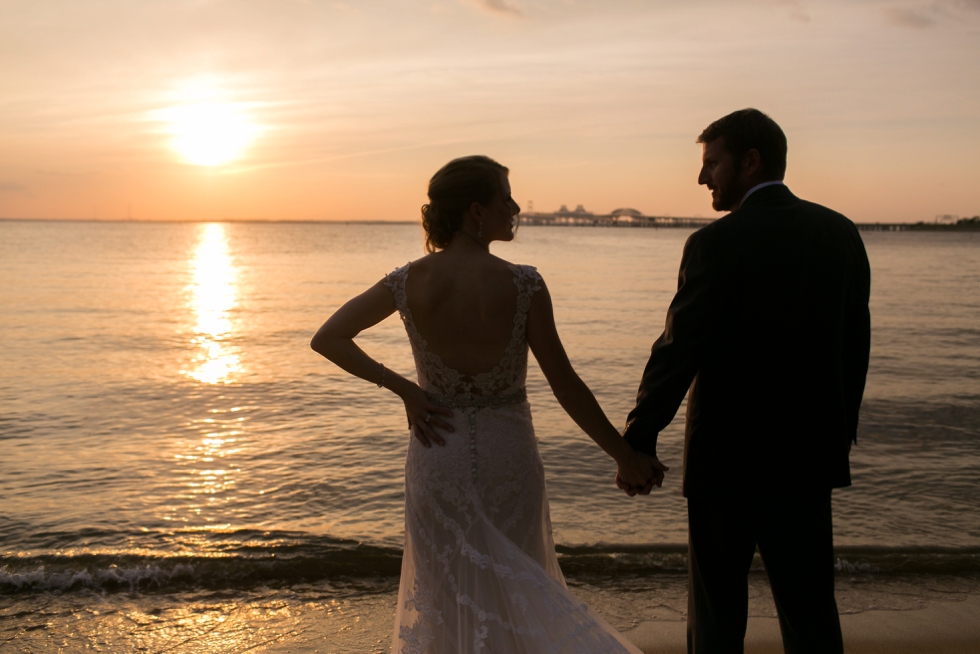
column 938, row 628
column 909, row 614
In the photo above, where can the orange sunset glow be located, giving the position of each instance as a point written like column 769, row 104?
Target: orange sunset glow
column 309, row 110
column 260, row 393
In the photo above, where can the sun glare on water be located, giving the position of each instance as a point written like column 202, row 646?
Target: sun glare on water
column 213, row 297
column 210, row 133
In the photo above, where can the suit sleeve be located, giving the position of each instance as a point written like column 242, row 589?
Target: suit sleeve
column 857, row 336
column 677, row 354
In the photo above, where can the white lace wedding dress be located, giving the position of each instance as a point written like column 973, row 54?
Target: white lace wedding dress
column 479, row 572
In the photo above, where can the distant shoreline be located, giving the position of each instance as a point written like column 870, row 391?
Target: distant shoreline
column 657, row 222
column 965, row 225
column 258, row 221
column 632, row 218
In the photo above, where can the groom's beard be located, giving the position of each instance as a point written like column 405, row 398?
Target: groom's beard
column 726, row 196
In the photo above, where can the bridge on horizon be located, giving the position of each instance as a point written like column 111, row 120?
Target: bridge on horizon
column 625, row 217
column 619, row 218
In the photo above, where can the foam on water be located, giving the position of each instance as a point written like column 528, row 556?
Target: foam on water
column 248, row 560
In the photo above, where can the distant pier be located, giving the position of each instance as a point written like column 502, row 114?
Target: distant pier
column 618, row 218
column 579, row 217
column 884, row 227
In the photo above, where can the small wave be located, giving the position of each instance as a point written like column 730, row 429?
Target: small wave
column 613, row 559
column 909, row 560
column 248, row 565
column 656, row 559
column 254, row 559
column 843, row 565
column 73, row 576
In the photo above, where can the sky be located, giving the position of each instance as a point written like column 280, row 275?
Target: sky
column 310, row 110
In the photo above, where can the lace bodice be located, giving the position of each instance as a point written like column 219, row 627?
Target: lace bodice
column 436, row 377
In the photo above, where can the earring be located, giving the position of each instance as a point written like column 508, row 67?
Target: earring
column 479, row 233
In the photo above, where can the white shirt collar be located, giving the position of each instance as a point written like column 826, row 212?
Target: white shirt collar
column 757, row 187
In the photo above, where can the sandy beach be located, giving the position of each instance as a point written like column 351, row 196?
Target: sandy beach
column 939, row 627
column 913, row 616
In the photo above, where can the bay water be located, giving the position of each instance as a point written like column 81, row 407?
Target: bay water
column 166, row 431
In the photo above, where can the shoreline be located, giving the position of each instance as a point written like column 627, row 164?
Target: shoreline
column 912, row 614
column 666, row 223
column 242, row 567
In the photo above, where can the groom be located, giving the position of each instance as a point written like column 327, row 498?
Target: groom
column 768, row 335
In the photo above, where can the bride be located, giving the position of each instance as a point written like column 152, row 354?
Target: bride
column 479, row 572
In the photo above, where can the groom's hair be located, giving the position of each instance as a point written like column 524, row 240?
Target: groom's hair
column 750, row 129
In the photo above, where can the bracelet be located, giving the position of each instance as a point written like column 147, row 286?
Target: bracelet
column 383, row 371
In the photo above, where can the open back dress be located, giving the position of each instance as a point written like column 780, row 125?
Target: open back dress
column 479, row 572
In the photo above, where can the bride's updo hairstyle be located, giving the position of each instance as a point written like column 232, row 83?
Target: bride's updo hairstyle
column 452, row 191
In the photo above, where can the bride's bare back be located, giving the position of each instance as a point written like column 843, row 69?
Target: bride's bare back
column 463, row 303
column 464, row 308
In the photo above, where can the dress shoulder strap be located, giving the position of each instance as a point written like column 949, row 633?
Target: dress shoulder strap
column 528, row 280
column 395, row 281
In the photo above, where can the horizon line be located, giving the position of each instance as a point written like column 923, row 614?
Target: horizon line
column 205, row 221
column 302, row 221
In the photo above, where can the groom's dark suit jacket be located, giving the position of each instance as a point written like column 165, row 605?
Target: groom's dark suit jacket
column 769, row 332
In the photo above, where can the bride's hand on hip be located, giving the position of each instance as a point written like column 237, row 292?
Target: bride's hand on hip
column 639, row 473
column 423, row 417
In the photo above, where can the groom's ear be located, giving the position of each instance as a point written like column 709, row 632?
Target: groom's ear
column 751, row 164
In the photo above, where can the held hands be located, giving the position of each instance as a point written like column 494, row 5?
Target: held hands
column 639, row 473
column 423, row 417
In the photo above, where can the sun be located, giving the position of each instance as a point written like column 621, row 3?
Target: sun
column 210, row 133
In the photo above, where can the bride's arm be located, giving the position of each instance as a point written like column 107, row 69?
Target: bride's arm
column 635, row 469
column 335, row 341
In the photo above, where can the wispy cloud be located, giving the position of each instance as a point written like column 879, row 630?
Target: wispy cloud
column 500, row 7
column 924, row 15
column 794, row 8
column 11, row 187
column 912, row 18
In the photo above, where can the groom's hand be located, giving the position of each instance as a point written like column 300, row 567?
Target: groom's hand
column 640, row 473
column 632, row 490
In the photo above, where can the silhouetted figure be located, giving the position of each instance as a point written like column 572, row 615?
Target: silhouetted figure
column 768, row 335
column 479, row 571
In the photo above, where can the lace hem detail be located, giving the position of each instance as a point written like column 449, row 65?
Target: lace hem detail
column 508, row 612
